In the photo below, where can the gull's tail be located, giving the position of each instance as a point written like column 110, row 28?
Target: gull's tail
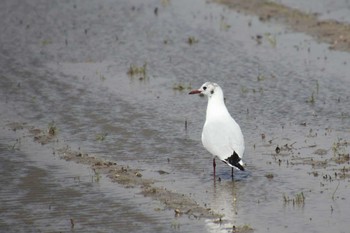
column 234, row 161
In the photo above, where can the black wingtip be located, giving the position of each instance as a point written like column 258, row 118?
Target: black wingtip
column 233, row 160
column 239, row 166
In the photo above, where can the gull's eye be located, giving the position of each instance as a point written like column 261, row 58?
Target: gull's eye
column 204, row 88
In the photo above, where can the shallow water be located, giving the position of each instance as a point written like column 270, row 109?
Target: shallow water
column 68, row 63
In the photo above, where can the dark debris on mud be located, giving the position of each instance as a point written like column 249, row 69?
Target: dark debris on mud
column 330, row 164
column 42, row 136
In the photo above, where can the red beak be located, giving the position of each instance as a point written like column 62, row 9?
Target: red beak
column 195, row 92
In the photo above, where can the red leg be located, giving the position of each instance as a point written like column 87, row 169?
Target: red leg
column 214, row 165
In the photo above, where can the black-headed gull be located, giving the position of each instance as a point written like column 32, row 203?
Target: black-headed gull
column 221, row 135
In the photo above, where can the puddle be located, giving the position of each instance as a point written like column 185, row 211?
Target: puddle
column 284, row 90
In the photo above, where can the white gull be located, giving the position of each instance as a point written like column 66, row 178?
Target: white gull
column 221, row 135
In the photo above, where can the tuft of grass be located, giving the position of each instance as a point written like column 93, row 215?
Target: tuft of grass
column 182, row 87
column 299, row 199
column 96, row 177
column 16, row 145
column 102, row 77
column 46, row 42
column 52, row 129
column 192, row 40
column 244, row 90
column 311, row 100
column 272, row 39
column 333, row 195
column 260, row 77
column 101, row 137
column 286, row 199
column 269, row 176
column 33, row 99
column 344, row 116
column 137, row 70
column 223, row 25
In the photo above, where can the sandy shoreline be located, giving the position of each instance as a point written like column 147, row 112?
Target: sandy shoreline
column 336, row 34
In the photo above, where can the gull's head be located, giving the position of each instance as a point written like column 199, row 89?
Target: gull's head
column 209, row 89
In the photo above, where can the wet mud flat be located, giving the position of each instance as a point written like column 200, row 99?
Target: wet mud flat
column 329, row 166
column 42, row 193
column 180, row 204
column 103, row 87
